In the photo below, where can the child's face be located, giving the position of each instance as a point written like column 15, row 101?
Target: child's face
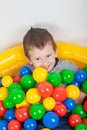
column 43, row 57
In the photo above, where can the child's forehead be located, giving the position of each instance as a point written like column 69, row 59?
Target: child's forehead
column 46, row 47
column 35, row 51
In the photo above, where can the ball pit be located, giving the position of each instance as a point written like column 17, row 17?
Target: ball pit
column 27, row 101
column 13, row 59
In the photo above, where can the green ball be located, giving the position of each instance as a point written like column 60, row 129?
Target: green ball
column 67, row 76
column 17, row 96
column 85, row 69
column 37, row 111
column 27, row 81
column 79, row 109
column 8, row 103
column 84, row 86
column 13, row 87
column 81, row 127
column 54, row 78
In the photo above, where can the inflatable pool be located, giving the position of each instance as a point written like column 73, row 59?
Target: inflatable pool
column 13, row 59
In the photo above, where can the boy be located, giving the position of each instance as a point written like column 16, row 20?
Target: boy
column 40, row 49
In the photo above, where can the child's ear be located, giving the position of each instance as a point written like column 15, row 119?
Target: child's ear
column 56, row 53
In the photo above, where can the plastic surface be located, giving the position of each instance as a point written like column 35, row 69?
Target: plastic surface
column 13, row 59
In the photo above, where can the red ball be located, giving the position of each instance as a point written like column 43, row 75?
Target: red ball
column 45, row 89
column 59, row 94
column 14, row 125
column 74, row 119
column 3, row 109
column 84, row 121
column 22, row 113
column 60, row 110
column 85, row 106
column 17, row 78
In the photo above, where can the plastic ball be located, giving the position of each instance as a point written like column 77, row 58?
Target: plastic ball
column 3, row 93
column 59, row 94
column 70, row 104
column 3, row 125
column 60, row 110
column 6, row 81
column 30, row 124
column 14, row 125
column 81, row 126
column 17, row 96
column 84, row 86
column 17, row 79
column 54, row 78
column 85, row 69
column 8, row 103
column 10, row 114
column 45, row 129
column 67, row 76
column 49, row 103
column 40, row 74
column 80, row 111
column 0, row 82
column 45, row 89
column 84, row 121
column 80, row 76
column 33, row 96
column 50, row 120
column 25, row 70
column 14, row 86
column 23, row 103
column 27, row 81
column 22, row 113
column 3, row 109
column 72, row 91
column 76, row 83
column 85, row 106
column 74, row 119
column 37, row 111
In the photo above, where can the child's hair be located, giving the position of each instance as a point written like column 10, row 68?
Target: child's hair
column 37, row 37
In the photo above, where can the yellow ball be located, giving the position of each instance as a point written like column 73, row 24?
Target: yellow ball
column 3, row 93
column 40, row 74
column 33, row 96
column 49, row 103
column 45, row 129
column 23, row 103
column 72, row 91
column 6, row 81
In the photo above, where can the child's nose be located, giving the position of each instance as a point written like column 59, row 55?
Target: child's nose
column 44, row 62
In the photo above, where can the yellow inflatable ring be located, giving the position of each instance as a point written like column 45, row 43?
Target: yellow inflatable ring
column 13, row 59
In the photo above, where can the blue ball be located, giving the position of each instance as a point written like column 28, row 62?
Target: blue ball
column 3, row 125
column 80, row 76
column 10, row 114
column 25, row 70
column 76, row 83
column 50, row 120
column 70, row 103
column 30, row 124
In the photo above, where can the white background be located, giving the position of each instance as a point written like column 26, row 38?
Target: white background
column 65, row 19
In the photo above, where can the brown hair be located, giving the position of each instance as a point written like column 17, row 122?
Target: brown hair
column 37, row 37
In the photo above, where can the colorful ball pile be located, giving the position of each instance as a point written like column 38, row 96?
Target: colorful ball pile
column 39, row 95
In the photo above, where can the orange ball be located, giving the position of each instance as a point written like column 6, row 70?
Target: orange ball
column 45, row 89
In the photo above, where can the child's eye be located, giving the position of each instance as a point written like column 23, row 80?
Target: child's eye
column 37, row 58
column 48, row 55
